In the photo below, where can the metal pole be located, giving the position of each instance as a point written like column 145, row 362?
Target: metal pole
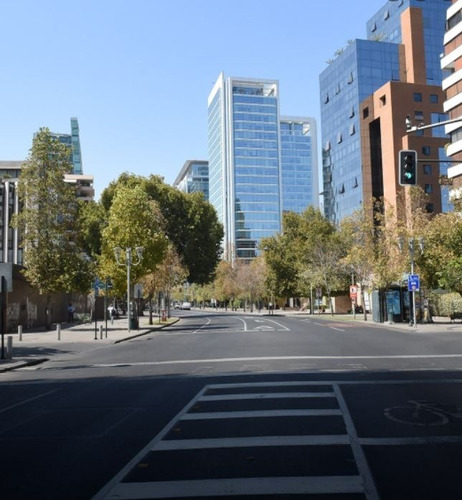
column 129, row 262
column 411, row 251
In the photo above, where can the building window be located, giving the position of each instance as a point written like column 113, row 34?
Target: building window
column 428, row 188
column 417, row 96
column 418, row 115
column 426, row 150
column 386, row 14
column 352, row 129
column 327, row 146
column 339, row 138
column 365, row 112
column 337, row 90
column 434, row 98
column 352, row 111
column 430, row 208
column 350, row 80
column 383, row 100
column 326, row 98
column 427, row 169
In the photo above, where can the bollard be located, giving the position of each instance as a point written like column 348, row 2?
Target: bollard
column 9, row 347
column 20, row 332
column 101, row 332
column 58, row 329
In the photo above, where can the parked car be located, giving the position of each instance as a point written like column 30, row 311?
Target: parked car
column 186, row 305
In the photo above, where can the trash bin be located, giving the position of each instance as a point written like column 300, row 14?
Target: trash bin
column 133, row 323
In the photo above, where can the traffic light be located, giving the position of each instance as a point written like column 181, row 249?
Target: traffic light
column 407, row 168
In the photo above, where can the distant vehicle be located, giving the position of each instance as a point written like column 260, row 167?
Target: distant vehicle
column 185, row 305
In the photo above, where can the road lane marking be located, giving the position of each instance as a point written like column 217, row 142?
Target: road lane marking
column 209, row 320
column 261, row 441
column 28, row 400
column 260, row 414
column 214, row 488
column 278, row 358
column 369, row 486
column 268, row 395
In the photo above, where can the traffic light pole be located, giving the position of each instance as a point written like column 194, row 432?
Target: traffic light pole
column 416, row 128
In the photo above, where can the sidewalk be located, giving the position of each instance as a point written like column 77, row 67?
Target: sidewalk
column 39, row 345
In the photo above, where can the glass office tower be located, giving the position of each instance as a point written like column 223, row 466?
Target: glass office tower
column 298, row 150
column 73, row 141
column 194, row 177
column 361, row 69
column 247, row 158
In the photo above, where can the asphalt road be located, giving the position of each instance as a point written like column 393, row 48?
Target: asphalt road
column 236, row 406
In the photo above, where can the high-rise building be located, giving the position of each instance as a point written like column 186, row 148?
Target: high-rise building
column 83, row 183
column 194, row 177
column 452, row 63
column 366, row 94
column 73, row 141
column 256, row 158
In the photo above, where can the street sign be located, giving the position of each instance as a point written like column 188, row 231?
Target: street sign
column 353, row 291
column 413, row 283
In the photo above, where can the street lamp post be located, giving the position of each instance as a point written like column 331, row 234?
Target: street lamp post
column 129, row 263
column 411, row 244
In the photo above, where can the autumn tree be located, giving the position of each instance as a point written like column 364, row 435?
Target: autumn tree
column 48, row 221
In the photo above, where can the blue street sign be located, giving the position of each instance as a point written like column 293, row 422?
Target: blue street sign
column 413, row 283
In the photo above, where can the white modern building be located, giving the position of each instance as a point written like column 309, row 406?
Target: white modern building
column 452, row 61
column 260, row 163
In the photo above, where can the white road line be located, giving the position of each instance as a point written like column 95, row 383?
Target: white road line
column 271, row 395
column 280, row 358
column 369, row 486
column 406, row 441
column 249, row 486
column 203, row 326
column 25, row 401
column 259, row 414
column 193, row 444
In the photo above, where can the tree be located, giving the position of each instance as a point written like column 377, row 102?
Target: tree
column 134, row 220
column 92, row 219
column 190, row 223
column 48, row 221
column 168, row 274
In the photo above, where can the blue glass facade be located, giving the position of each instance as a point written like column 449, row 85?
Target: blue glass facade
column 73, row 141
column 297, row 150
column 194, row 178
column 255, row 153
column 385, row 25
column 249, row 161
column 364, row 67
column 356, row 74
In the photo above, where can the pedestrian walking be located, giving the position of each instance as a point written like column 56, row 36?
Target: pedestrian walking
column 112, row 313
column 70, row 313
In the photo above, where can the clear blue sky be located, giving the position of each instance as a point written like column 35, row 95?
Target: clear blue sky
column 137, row 73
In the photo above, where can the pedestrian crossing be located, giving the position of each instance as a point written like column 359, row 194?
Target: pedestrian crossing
column 277, row 439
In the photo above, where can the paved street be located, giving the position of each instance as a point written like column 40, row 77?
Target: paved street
column 236, row 405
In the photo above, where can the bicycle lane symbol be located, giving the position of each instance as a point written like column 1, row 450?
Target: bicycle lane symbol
column 423, row 413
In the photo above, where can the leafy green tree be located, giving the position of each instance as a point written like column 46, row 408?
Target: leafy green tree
column 441, row 262
column 48, row 221
column 92, row 218
column 191, row 223
column 134, row 221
